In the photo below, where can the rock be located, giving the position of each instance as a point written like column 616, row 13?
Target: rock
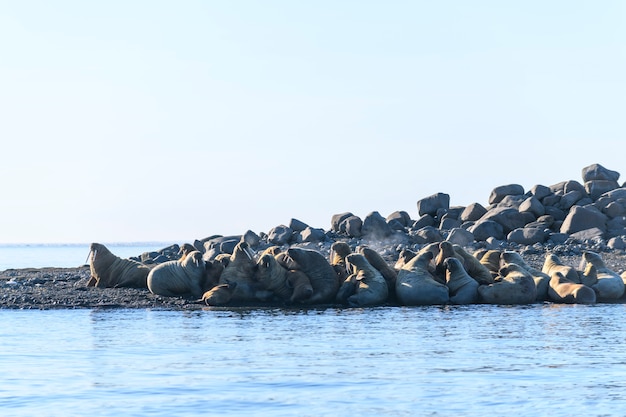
column 527, row 236
column 352, row 226
column 598, row 172
column 472, row 213
column 460, row 237
column 337, row 219
column 400, row 216
column 540, row 192
column 595, row 188
column 310, row 234
column 509, row 218
column 583, row 218
column 587, row 234
column 297, row 226
column 428, row 234
column 423, row 221
column 483, row 229
column 532, row 205
column 375, row 226
column 279, row 235
column 498, row 193
column 431, row 204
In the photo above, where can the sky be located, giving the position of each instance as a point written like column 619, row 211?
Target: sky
column 137, row 121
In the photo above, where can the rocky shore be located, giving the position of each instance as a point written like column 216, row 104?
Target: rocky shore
column 565, row 219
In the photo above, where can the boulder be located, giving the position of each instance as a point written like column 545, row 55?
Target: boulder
column 483, row 229
column 583, row 218
column 498, row 193
column 472, row 213
column 527, row 235
column 375, row 226
column 598, row 172
column 431, row 204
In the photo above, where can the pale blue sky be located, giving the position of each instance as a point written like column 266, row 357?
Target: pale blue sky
column 171, row 121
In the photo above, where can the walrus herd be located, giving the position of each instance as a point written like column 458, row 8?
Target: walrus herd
column 397, row 261
column 362, row 278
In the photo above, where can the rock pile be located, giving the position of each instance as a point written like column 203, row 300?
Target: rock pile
column 590, row 213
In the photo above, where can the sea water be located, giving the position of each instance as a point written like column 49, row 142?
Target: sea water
column 481, row 360
column 39, row 255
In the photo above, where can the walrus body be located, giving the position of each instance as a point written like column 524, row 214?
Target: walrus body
column 109, row 270
column 473, row 266
column 515, row 286
column 462, row 287
column 179, row 278
column 300, row 284
column 378, row 262
column 563, row 290
column 609, row 284
column 241, row 269
column 415, row 285
column 542, row 280
column 273, row 277
column 321, row 274
column 371, row 288
column 220, row 294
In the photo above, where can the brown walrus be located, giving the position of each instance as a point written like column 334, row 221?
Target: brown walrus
column 564, row 290
column 109, row 270
column 609, row 284
column 514, row 285
column 371, row 288
column 220, row 294
column 184, row 277
column 321, row 274
column 242, row 269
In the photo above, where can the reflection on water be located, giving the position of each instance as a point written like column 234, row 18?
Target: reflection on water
column 465, row 360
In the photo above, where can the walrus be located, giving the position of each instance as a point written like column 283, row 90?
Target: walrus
column 109, row 270
column 242, row 269
column 220, row 294
column 347, row 289
column 273, row 276
column 564, row 290
column 300, row 285
column 378, row 262
column 415, row 285
column 553, row 264
column 179, row 278
column 609, row 284
column 514, row 285
column 491, row 260
column 404, row 257
column 462, row 287
column 321, row 274
column 185, row 250
column 473, row 266
column 542, row 280
column 372, row 288
column 446, row 250
column 338, row 252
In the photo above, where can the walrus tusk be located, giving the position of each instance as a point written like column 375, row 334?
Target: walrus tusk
column 91, row 256
column 250, row 253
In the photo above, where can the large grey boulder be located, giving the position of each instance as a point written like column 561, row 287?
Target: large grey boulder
column 532, row 205
column 461, row 237
column 431, row 204
column 598, row 172
column 280, row 235
column 528, row 235
column 498, row 193
column 583, row 218
column 509, row 218
column 483, row 229
column 375, row 226
column 595, row 188
column 472, row 213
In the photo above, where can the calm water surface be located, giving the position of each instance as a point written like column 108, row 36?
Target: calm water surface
column 553, row 360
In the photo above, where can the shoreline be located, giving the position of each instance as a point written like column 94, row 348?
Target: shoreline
column 66, row 288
